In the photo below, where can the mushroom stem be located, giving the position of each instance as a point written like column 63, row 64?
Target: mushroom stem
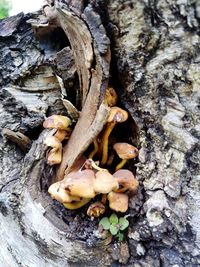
column 121, row 164
column 105, row 138
column 90, row 163
column 104, row 198
column 95, row 150
column 77, row 204
column 110, row 160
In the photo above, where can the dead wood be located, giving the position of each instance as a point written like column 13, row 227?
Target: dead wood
column 155, row 68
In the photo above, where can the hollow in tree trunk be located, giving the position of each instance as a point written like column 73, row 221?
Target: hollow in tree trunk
column 60, row 60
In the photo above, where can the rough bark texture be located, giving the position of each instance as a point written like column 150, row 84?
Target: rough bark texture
column 155, row 68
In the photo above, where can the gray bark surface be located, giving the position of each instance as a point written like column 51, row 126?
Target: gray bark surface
column 155, row 68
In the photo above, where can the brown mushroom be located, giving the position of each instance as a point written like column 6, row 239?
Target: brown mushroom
column 57, row 122
column 53, row 142
column 80, row 183
column 63, row 134
column 125, row 151
column 126, row 180
column 60, row 194
column 54, row 156
column 111, row 97
column 117, row 115
column 118, row 201
column 105, row 182
column 96, row 209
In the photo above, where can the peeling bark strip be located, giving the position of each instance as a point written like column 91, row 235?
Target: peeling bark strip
column 91, row 50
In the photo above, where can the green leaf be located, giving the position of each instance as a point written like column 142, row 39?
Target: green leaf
column 105, row 223
column 124, row 223
column 113, row 229
column 113, row 219
column 120, row 236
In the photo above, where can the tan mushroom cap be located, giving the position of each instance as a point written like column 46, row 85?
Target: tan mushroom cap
column 127, row 180
column 54, row 156
column 118, row 201
column 60, row 194
column 117, row 115
column 53, row 142
column 57, row 122
column 60, row 134
column 105, row 182
column 80, row 183
column 125, row 150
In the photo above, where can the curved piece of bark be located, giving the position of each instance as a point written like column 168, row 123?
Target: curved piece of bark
column 90, row 47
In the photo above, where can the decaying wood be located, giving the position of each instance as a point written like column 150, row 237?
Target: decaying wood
column 155, row 67
column 18, row 138
column 93, row 69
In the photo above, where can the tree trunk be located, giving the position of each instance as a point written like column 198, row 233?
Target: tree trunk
column 155, row 69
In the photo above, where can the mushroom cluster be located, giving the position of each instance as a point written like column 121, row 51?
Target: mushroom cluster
column 90, row 181
column 94, row 179
column 63, row 131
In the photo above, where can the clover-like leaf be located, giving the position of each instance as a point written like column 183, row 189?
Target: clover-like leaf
column 120, row 236
column 113, row 229
column 113, row 219
column 124, row 223
column 105, row 223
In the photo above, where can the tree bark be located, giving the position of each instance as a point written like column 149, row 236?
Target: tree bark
column 155, row 69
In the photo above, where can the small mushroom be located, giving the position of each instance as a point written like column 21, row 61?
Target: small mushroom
column 80, row 183
column 117, row 115
column 105, row 182
column 118, row 201
column 96, row 209
column 54, row 156
column 77, row 204
column 126, row 180
column 90, row 164
column 57, row 122
column 53, row 142
column 111, row 97
column 60, row 135
column 63, row 134
column 125, row 151
column 60, row 194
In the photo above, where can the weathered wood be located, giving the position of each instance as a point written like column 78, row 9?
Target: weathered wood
column 155, row 67
column 92, row 64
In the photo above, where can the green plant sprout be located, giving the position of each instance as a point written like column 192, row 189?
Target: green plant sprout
column 5, row 7
column 115, row 225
